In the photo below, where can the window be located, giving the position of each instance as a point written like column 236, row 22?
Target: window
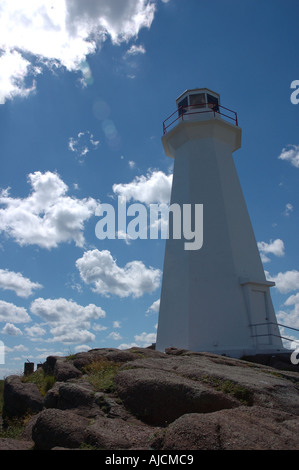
column 198, row 100
column 182, row 105
column 213, row 102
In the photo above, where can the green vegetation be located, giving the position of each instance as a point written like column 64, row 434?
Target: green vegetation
column 227, row 386
column 43, row 381
column 14, row 427
column 101, row 374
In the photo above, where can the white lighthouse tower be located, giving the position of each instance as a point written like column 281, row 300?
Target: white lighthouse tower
column 215, row 298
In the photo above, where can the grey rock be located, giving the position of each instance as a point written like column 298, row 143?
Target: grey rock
column 62, row 368
column 61, row 428
column 244, row 428
column 20, row 398
column 109, row 434
column 15, row 444
column 159, row 398
column 260, row 385
column 179, row 400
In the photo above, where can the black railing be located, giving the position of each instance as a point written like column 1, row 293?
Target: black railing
column 184, row 111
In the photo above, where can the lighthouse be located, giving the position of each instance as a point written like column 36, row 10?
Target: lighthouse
column 214, row 298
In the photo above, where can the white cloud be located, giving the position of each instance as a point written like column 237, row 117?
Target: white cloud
column 288, row 209
column 11, row 313
column 290, row 319
column 13, row 71
column 134, row 50
column 69, row 322
column 116, row 324
column 83, row 144
column 22, row 286
column 62, row 311
column 285, row 282
column 114, row 335
column 35, row 331
column 154, row 308
column 131, row 164
column 293, row 300
column 143, row 340
column 100, row 269
column 275, row 247
column 154, row 187
column 47, row 216
column 12, row 330
column 62, row 33
column 290, row 154
column 66, row 335
column 82, row 347
column 98, row 327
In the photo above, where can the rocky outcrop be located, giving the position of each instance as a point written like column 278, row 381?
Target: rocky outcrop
column 158, row 398
column 20, row 398
column 244, row 428
column 180, row 400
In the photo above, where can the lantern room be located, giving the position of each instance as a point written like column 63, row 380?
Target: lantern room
column 198, row 100
column 199, row 104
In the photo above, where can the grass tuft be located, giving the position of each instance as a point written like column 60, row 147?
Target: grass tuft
column 101, row 374
column 43, row 381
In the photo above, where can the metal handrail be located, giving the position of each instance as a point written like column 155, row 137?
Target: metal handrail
column 274, row 323
column 185, row 110
column 272, row 334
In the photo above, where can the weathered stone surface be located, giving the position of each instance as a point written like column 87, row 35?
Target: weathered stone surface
column 61, row 368
column 111, row 434
column 83, row 359
column 158, row 398
column 52, row 396
column 61, row 428
column 245, row 428
column 20, row 398
column 259, row 385
column 181, row 400
column 15, row 444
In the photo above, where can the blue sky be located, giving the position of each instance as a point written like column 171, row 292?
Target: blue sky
column 84, row 89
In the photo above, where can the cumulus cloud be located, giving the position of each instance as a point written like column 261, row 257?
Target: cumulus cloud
column 35, row 331
column 47, row 216
column 275, row 247
column 290, row 154
column 146, row 339
column 22, row 286
column 290, row 318
column 154, row 187
column 62, row 33
column 100, row 269
column 285, row 282
column 154, row 308
column 12, row 330
column 14, row 70
column 143, row 340
column 69, row 322
column 11, row 313
column 114, row 335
